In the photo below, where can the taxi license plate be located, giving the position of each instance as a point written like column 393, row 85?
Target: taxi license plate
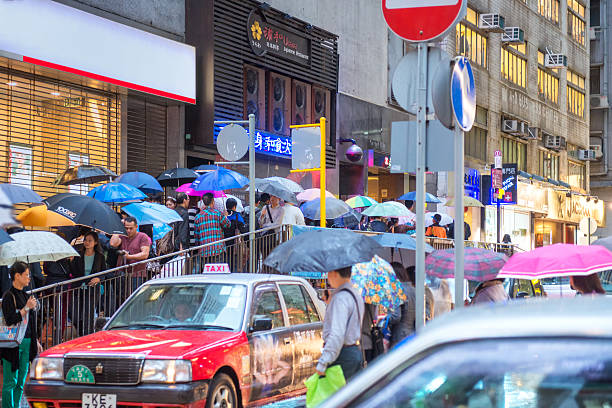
column 99, row 401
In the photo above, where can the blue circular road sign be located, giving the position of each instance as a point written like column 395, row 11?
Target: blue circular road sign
column 463, row 93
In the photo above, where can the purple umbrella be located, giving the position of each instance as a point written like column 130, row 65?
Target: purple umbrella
column 480, row 264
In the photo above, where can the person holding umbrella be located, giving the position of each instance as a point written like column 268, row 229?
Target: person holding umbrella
column 342, row 326
column 181, row 232
column 17, row 306
column 587, row 285
column 491, row 291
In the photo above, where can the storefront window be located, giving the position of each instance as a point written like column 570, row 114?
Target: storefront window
column 47, row 126
column 577, row 174
column 517, row 225
column 547, row 233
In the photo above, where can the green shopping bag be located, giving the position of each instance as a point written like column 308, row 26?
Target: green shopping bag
column 318, row 389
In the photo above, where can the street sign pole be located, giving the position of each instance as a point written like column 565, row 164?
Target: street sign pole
column 459, row 226
column 420, row 186
column 252, row 137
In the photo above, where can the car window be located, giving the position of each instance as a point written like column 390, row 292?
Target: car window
column 296, row 305
column 312, row 310
column 500, row 374
column 524, row 286
column 267, row 304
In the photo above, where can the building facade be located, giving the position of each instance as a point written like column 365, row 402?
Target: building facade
column 530, row 60
column 66, row 98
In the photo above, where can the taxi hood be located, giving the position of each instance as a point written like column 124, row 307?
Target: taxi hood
column 149, row 343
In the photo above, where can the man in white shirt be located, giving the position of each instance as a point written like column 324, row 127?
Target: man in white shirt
column 292, row 215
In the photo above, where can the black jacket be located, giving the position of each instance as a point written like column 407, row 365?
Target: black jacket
column 11, row 303
column 57, row 272
column 467, row 231
column 181, row 229
column 77, row 266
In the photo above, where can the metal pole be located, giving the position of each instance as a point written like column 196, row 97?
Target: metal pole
column 459, row 228
column 498, row 216
column 420, row 187
column 252, row 136
column 322, row 180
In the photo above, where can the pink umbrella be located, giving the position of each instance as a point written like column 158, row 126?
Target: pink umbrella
column 557, row 260
column 186, row 188
column 312, row 193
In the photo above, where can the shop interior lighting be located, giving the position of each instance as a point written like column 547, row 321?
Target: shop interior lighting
column 11, row 83
column 55, row 93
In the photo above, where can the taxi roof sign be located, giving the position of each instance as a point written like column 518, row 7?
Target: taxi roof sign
column 217, row 268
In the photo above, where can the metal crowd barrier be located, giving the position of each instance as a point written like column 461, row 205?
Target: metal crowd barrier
column 68, row 309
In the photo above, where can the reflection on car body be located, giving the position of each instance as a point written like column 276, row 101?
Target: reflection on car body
column 216, row 339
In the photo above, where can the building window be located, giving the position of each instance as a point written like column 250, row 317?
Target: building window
column 576, row 22
column 548, row 165
column 475, row 142
column 595, row 81
column 577, row 175
column 514, row 151
column 548, row 81
column 549, row 9
column 470, row 42
column 575, row 93
column 595, row 13
column 513, row 65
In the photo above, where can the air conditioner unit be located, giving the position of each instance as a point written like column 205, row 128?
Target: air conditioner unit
column 599, row 101
column 523, row 129
column 555, row 61
column 597, row 150
column 513, row 35
column 510, row 126
column 492, row 22
column 594, row 33
column 533, row 133
column 586, row 154
column 555, row 142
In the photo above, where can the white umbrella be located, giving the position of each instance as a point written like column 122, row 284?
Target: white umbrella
column 289, row 184
column 35, row 246
column 446, row 219
column 220, row 203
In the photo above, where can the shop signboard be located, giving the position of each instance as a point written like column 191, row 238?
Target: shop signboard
column 497, row 179
column 509, row 185
column 471, row 180
column 20, row 165
column 265, row 37
column 574, row 208
column 273, row 145
column 532, row 198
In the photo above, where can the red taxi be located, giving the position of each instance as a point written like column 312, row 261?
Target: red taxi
column 195, row 341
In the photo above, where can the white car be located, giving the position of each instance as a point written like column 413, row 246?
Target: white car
column 535, row 353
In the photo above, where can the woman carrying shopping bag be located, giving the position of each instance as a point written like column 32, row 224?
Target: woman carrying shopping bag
column 18, row 307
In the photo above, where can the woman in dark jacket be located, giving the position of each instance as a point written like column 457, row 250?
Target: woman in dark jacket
column 86, row 294
column 16, row 305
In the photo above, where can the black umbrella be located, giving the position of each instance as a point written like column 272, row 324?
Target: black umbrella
column 322, row 250
column 274, row 188
column 604, row 242
column 86, row 211
column 85, row 174
column 176, row 177
column 348, row 220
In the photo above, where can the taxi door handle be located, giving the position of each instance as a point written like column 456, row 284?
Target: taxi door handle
column 287, row 340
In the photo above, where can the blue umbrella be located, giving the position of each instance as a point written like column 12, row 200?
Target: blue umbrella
column 160, row 231
column 429, row 198
column 204, row 168
column 220, row 179
column 19, row 194
column 399, row 241
column 142, row 181
column 116, row 193
column 5, row 237
column 151, row 213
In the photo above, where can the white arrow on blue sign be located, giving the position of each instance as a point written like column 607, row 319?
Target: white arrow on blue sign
column 463, row 93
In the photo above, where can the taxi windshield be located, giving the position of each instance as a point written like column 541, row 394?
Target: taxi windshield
column 200, row 306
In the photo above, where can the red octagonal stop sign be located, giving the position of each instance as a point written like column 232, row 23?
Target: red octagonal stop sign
column 422, row 20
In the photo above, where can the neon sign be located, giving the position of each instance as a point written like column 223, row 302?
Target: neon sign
column 273, row 144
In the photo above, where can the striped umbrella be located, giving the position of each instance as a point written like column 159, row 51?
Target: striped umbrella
column 360, row 202
column 480, row 264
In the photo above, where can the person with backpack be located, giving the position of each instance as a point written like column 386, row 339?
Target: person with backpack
column 237, row 227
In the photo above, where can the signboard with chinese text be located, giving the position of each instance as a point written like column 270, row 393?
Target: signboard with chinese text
column 509, row 185
column 265, row 37
column 496, row 179
column 471, row 180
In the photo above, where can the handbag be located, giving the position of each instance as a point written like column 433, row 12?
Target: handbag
column 319, row 388
column 12, row 336
column 376, row 334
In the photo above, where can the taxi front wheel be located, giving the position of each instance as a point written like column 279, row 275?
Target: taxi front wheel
column 222, row 393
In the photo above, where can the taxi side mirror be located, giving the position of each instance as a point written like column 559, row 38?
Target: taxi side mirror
column 261, row 324
column 100, row 323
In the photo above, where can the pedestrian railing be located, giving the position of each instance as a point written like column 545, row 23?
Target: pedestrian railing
column 68, row 309
column 445, row 243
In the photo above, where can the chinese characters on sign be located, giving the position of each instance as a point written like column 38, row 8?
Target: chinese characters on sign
column 271, row 144
column 471, row 180
column 509, row 185
column 265, row 37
